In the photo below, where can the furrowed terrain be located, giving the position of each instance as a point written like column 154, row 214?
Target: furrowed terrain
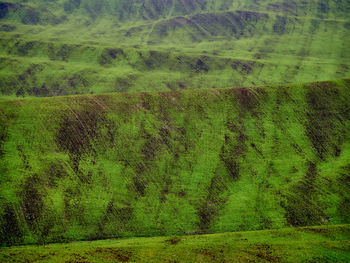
column 310, row 244
column 50, row 48
column 174, row 163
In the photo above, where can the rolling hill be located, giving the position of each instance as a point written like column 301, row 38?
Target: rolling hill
column 180, row 162
column 51, row 48
column 183, row 130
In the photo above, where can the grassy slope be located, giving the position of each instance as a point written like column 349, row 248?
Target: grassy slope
column 163, row 163
column 106, row 46
column 312, row 244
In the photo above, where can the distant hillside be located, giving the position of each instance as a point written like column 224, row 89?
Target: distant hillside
column 163, row 163
column 126, row 11
column 50, row 48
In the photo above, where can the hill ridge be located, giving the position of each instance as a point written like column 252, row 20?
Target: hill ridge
column 163, row 163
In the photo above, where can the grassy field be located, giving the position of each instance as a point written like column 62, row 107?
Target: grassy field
column 311, row 244
column 164, row 163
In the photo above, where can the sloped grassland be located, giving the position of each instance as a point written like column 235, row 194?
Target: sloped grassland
column 164, row 163
column 50, row 48
column 306, row 244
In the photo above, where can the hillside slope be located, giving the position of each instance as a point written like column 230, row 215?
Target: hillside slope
column 131, row 11
column 50, row 48
column 163, row 163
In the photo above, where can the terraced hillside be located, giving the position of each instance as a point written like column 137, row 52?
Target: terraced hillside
column 50, row 48
column 180, row 162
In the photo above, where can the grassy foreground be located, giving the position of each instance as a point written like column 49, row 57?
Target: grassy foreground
column 310, row 244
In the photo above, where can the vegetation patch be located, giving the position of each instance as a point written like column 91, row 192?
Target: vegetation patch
column 131, row 164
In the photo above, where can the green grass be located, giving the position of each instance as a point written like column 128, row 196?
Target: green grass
column 162, row 46
column 311, row 244
column 158, row 137
column 164, row 163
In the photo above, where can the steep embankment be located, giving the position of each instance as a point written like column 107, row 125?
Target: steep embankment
column 89, row 46
column 145, row 164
